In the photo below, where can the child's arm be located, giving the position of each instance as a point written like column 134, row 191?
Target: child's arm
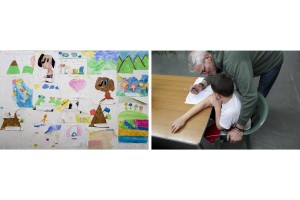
column 180, row 122
column 217, row 105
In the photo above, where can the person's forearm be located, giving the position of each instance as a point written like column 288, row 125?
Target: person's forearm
column 248, row 107
column 218, row 116
column 197, row 108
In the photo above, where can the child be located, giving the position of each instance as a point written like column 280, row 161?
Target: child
column 227, row 107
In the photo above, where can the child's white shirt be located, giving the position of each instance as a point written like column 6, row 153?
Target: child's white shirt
column 230, row 112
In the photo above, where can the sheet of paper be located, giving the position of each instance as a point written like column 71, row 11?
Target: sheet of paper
column 196, row 98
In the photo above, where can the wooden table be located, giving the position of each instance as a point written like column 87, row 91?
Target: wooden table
column 168, row 97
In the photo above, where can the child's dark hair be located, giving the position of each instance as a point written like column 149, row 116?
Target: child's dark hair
column 222, row 84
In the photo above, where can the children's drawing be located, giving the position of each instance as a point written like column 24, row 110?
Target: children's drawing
column 18, row 62
column 77, row 84
column 71, row 63
column 52, row 128
column 133, row 122
column 132, row 86
column 47, row 62
column 47, row 97
column 13, row 68
column 75, row 116
column 46, row 141
column 105, row 85
column 99, row 119
column 101, row 139
column 11, row 123
column 128, row 61
column 22, row 93
column 99, row 61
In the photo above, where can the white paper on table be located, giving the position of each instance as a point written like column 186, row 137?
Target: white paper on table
column 196, row 98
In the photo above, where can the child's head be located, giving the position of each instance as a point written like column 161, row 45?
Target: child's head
column 222, row 84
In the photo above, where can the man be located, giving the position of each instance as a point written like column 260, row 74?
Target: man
column 242, row 66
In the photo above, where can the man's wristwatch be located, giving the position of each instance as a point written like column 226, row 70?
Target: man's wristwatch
column 238, row 129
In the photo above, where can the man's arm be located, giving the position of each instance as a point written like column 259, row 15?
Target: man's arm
column 242, row 73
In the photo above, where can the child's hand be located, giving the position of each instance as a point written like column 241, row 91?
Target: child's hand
column 177, row 124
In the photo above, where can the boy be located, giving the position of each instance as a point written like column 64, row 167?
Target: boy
column 227, row 106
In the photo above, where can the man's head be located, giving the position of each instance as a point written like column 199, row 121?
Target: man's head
column 202, row 62
column 222, row 85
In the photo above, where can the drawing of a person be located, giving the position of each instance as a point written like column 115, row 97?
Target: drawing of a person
column 48, row 63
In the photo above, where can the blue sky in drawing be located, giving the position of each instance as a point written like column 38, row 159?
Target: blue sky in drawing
column 106, row 55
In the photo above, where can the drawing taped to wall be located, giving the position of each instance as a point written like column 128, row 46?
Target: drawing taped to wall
column 22, row 93
column 18, row 62
column 101, row 139
column 129, row 61
column 133, row 86
column 132, row 121
column 71, row 63
column 100, row 61
column 46, row 62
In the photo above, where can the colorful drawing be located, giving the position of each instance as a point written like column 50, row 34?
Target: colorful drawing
column 72, row 63
column 132, row 86
column 47, row 97
column 99, row 119
column 77, row 84
column 98, row 61
column 11, row 123
column 73, row 132
column 22, row 93
column 53, row 128
column 13, row 68
column 100, row 139
column 128, row 61
column 133, row 123
column 17, row 61
column 48, row 63
column 105, row 84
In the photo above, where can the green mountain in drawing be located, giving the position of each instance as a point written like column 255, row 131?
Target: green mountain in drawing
column 13, row 68
column 145, row 61
column 96, row 66
column 127, row 66
column 27, row 70
column 139, row 65
column 119, row 62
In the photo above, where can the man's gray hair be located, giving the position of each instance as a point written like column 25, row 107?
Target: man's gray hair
column 196, row 58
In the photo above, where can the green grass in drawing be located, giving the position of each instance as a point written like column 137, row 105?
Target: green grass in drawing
column 131, row 115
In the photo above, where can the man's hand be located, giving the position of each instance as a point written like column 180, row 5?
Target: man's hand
column 177, row 124
column 196, row 88
column 234, row 136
